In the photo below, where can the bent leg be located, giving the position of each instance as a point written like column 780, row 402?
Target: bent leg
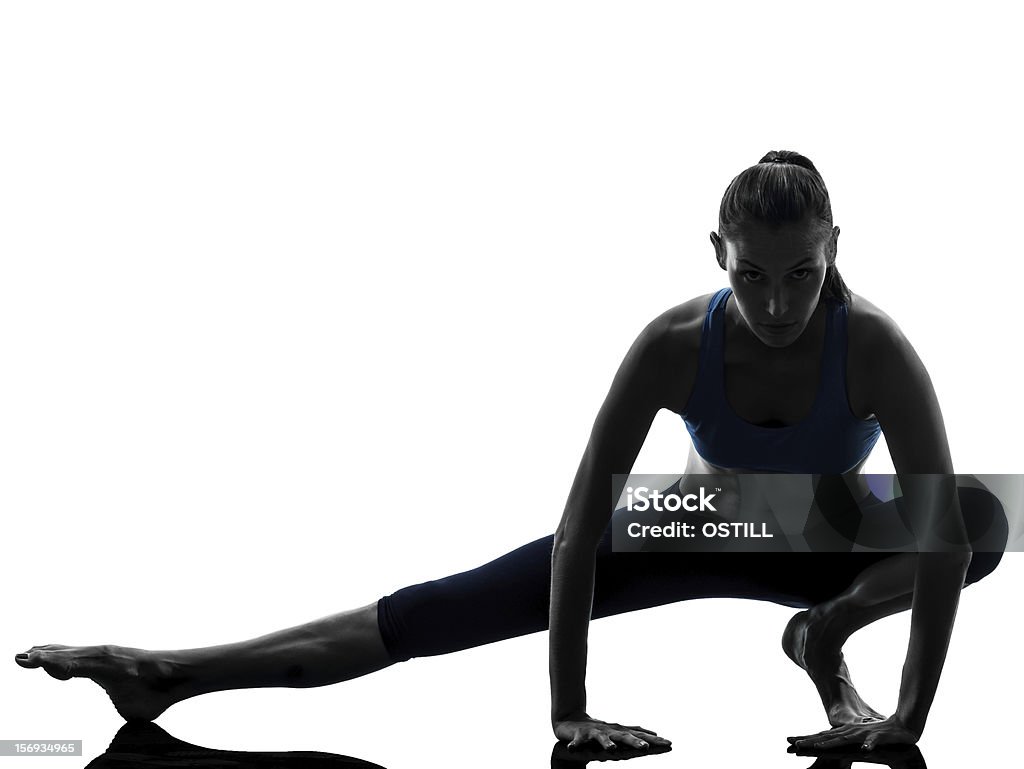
column 883, row 586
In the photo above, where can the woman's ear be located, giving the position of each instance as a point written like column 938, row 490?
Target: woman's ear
column 833, row 246
column 716, row 241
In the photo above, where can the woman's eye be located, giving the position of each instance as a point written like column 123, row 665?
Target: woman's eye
column 752, row 275
column 800, row 274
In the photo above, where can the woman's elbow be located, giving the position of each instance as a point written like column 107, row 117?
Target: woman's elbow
column 569, row 542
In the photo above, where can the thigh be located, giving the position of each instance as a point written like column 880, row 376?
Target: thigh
column 630, row 581
column 503, row 598
column 984, row 521
column 626, row 581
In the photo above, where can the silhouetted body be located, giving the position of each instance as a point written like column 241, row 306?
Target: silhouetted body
column 785, row 371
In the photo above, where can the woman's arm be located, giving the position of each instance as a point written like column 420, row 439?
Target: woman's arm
column 617, row 436
column 911, row 420
column 902, row 397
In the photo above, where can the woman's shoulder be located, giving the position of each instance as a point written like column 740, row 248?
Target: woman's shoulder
column 680, row 327
column 869, row 328
column 676, row 333
column 874, row 341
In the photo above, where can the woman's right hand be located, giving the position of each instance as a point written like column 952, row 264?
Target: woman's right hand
column 605, row 734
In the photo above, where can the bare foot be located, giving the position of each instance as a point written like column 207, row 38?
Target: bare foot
column 812, row 641
column 134, row 680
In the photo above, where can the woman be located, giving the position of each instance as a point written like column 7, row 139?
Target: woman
column 785, row 371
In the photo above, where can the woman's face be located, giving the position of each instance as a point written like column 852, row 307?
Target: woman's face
column 776, row 275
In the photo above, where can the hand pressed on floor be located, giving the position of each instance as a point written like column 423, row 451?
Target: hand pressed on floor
column 606, row 734
column 891, row 731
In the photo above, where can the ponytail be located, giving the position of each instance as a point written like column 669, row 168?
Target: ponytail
column 783, row 187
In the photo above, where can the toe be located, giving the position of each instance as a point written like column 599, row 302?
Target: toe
column 61, row 669
column 25, row 660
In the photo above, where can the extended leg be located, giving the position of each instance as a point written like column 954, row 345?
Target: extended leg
column 501, row 599
column 142, row 684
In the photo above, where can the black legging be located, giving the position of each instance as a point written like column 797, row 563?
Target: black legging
column 510, row 595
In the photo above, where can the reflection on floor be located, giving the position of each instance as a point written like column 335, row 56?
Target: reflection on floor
column 144, row 745
column 895, row 756
column 563, row 758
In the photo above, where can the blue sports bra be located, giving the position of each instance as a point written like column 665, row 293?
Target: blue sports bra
column 831, row 439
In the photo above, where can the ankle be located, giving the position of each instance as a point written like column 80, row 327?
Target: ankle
column 834, row 616
column 161, row 672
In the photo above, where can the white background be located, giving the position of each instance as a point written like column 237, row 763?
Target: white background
column 302, row 303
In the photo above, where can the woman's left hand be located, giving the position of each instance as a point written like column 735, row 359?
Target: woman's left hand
column 891, row 731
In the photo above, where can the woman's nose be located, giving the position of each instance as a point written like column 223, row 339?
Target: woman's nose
column 777, row 304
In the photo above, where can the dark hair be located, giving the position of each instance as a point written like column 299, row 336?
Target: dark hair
column 783, row 187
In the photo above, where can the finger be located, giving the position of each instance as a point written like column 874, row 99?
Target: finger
column 805, row 738
column 832, row 743
column 834, row 739
column 816, row 739
column 823, row 733
column 631, row 740
column 605, row 741
column 592, row 734
column 654, row 739
column 635, row 729
column 846, row 738
column 808, row 736
column 577, row 738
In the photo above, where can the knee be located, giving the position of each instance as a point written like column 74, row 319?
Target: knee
column 985, row 521
column 987, row 531
column 389, row 625
column 982, row 564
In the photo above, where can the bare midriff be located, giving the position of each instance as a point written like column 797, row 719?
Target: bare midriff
column 727, row 479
